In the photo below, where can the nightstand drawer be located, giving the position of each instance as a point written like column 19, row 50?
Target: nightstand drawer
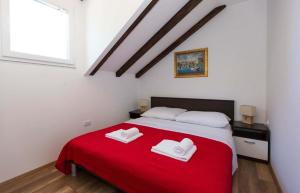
column 252, row 148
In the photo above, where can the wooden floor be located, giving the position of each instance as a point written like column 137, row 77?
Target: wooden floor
column 251, row 177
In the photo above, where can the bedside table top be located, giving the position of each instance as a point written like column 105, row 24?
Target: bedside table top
column 137, row 111
column 255, row 127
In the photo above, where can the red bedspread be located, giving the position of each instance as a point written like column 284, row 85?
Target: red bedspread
column 135, row 169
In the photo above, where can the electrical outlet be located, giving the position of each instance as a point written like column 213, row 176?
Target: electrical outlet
column 87, row 123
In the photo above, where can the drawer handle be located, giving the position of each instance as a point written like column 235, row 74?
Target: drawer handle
column 249, row 142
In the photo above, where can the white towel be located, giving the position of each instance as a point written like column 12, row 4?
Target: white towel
column 184, row 146
column 166, row 148
column 130, row 132
column 116, row 135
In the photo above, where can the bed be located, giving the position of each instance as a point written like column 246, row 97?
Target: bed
column 133, row 168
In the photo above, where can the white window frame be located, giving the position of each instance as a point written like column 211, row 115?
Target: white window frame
column 9, row 55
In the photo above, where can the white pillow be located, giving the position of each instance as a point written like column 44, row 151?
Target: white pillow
column 211, row 119
column 163, row 113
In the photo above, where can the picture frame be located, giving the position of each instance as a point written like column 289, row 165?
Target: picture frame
column 191, row 63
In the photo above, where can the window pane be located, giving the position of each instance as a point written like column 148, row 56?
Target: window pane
column 39, row 29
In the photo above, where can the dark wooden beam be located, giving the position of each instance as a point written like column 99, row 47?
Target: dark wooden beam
column 186, row 9
column 181, row 39
column 125, row 35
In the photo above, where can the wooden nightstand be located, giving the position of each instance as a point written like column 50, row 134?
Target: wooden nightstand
column 252, row 141
column 135, row 114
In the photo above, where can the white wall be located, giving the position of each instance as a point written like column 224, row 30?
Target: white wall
column 107, row 18
column 237, row 60
column 283, row 93
column 42, row 107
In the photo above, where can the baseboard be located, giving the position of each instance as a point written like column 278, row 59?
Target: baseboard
column 26, row 174
column 275, row 179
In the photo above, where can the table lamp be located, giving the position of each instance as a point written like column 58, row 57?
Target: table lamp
column 143, row 104
column 248, row 113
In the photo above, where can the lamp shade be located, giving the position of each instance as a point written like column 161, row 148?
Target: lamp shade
column 143, row 104
column 248, row 110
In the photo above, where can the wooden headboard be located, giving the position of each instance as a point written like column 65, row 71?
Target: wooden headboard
column 223, row 106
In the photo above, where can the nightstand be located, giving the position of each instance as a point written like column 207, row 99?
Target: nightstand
column 135, row 114
column 252, row 141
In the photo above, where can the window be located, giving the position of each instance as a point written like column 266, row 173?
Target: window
column 36, row 31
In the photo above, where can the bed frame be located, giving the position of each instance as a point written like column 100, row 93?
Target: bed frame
column 222, row 106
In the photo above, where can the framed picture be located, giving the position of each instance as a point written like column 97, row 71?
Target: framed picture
column 191, row 63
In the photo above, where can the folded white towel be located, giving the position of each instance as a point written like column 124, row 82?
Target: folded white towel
column 130, row 132
column 166, row 148
column 184, row 146
column 116, row 135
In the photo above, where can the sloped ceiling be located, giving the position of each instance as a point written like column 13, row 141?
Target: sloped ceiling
column 154, row 20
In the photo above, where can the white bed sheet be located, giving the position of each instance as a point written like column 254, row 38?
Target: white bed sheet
column 223, row 135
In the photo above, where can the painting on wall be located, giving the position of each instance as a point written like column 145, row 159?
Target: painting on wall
column 191, row 63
